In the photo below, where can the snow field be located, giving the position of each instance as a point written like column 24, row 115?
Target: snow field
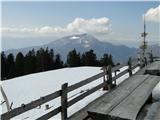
column 22, row 90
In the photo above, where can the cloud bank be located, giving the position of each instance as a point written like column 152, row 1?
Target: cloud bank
column 153, row 14
column 78, row 25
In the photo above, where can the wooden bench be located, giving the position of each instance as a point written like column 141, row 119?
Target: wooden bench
column 125, row 101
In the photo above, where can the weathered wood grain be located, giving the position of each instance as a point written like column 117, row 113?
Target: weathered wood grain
column 82, row 114
column 86, row 94
column 95, row 77
column 118, row 67
column 50, row 114
column 131, row 105
column 64, row 102
column 112, row 99
column 86, row 81
column 120, row 74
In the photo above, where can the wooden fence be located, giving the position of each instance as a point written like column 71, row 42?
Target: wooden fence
column 108, row 83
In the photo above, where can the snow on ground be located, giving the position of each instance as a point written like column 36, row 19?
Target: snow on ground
column 153, row 113
column 22, row 90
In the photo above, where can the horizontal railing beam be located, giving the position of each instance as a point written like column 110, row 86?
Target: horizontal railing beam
column 134, row 66
column 118, row 67
column 73, row 101
column 50, row 114
column 86, row 81
column 120, row 74
column 29, row 106
column 95, row 77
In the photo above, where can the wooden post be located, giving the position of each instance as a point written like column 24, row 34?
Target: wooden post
column 109, row 76
column 150, row 100
column 104, row 78
column 64, row 102
column 130, row 67
column 115, row 73
column 145, row 61
column 151, row 57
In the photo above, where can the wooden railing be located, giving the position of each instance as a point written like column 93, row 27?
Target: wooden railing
column 65, row 89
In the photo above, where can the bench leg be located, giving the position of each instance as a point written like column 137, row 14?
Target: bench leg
column 150, row 100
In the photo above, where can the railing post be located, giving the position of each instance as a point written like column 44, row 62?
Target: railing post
column 145, row 61
column 151, row 57
column 115, row 73
column 109, row 76
column 104, row 78
column 130, row 67
column 64, row 101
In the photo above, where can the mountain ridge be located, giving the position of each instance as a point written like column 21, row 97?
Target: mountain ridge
column 82, row 43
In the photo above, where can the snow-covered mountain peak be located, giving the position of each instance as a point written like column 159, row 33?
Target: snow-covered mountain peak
column 83, row 43
column 74, row 37
column 83, row 37
column 79, row 39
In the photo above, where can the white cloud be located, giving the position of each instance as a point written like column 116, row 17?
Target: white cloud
column 153, row 14
column 79, row 25
column 89, row 26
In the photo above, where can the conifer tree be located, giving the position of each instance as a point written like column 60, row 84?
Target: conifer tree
column 19, row 64
column 30, row 62
column 10, row 66
column 104, row 60
column 46, row 60
column 58, row 62
column 3, row 66
column 89, row 58
column 73, row 58
column 40, row 60
column 51, row 59
column 110, row 60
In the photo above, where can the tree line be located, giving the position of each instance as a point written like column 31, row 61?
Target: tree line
column 45, row 59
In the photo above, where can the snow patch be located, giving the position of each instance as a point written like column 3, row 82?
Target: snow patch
column 74, row 37
column 86, row 46
column 153, row 111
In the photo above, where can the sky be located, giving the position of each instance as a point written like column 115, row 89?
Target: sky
column 35, row 23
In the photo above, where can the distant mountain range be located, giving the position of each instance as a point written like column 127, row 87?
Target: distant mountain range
column 82, row 43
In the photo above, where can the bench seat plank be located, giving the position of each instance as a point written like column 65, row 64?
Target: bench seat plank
column 127, row 101
column 131, row 105
column 113, row 98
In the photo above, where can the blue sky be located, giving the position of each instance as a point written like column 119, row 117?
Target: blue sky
column 122, row 24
